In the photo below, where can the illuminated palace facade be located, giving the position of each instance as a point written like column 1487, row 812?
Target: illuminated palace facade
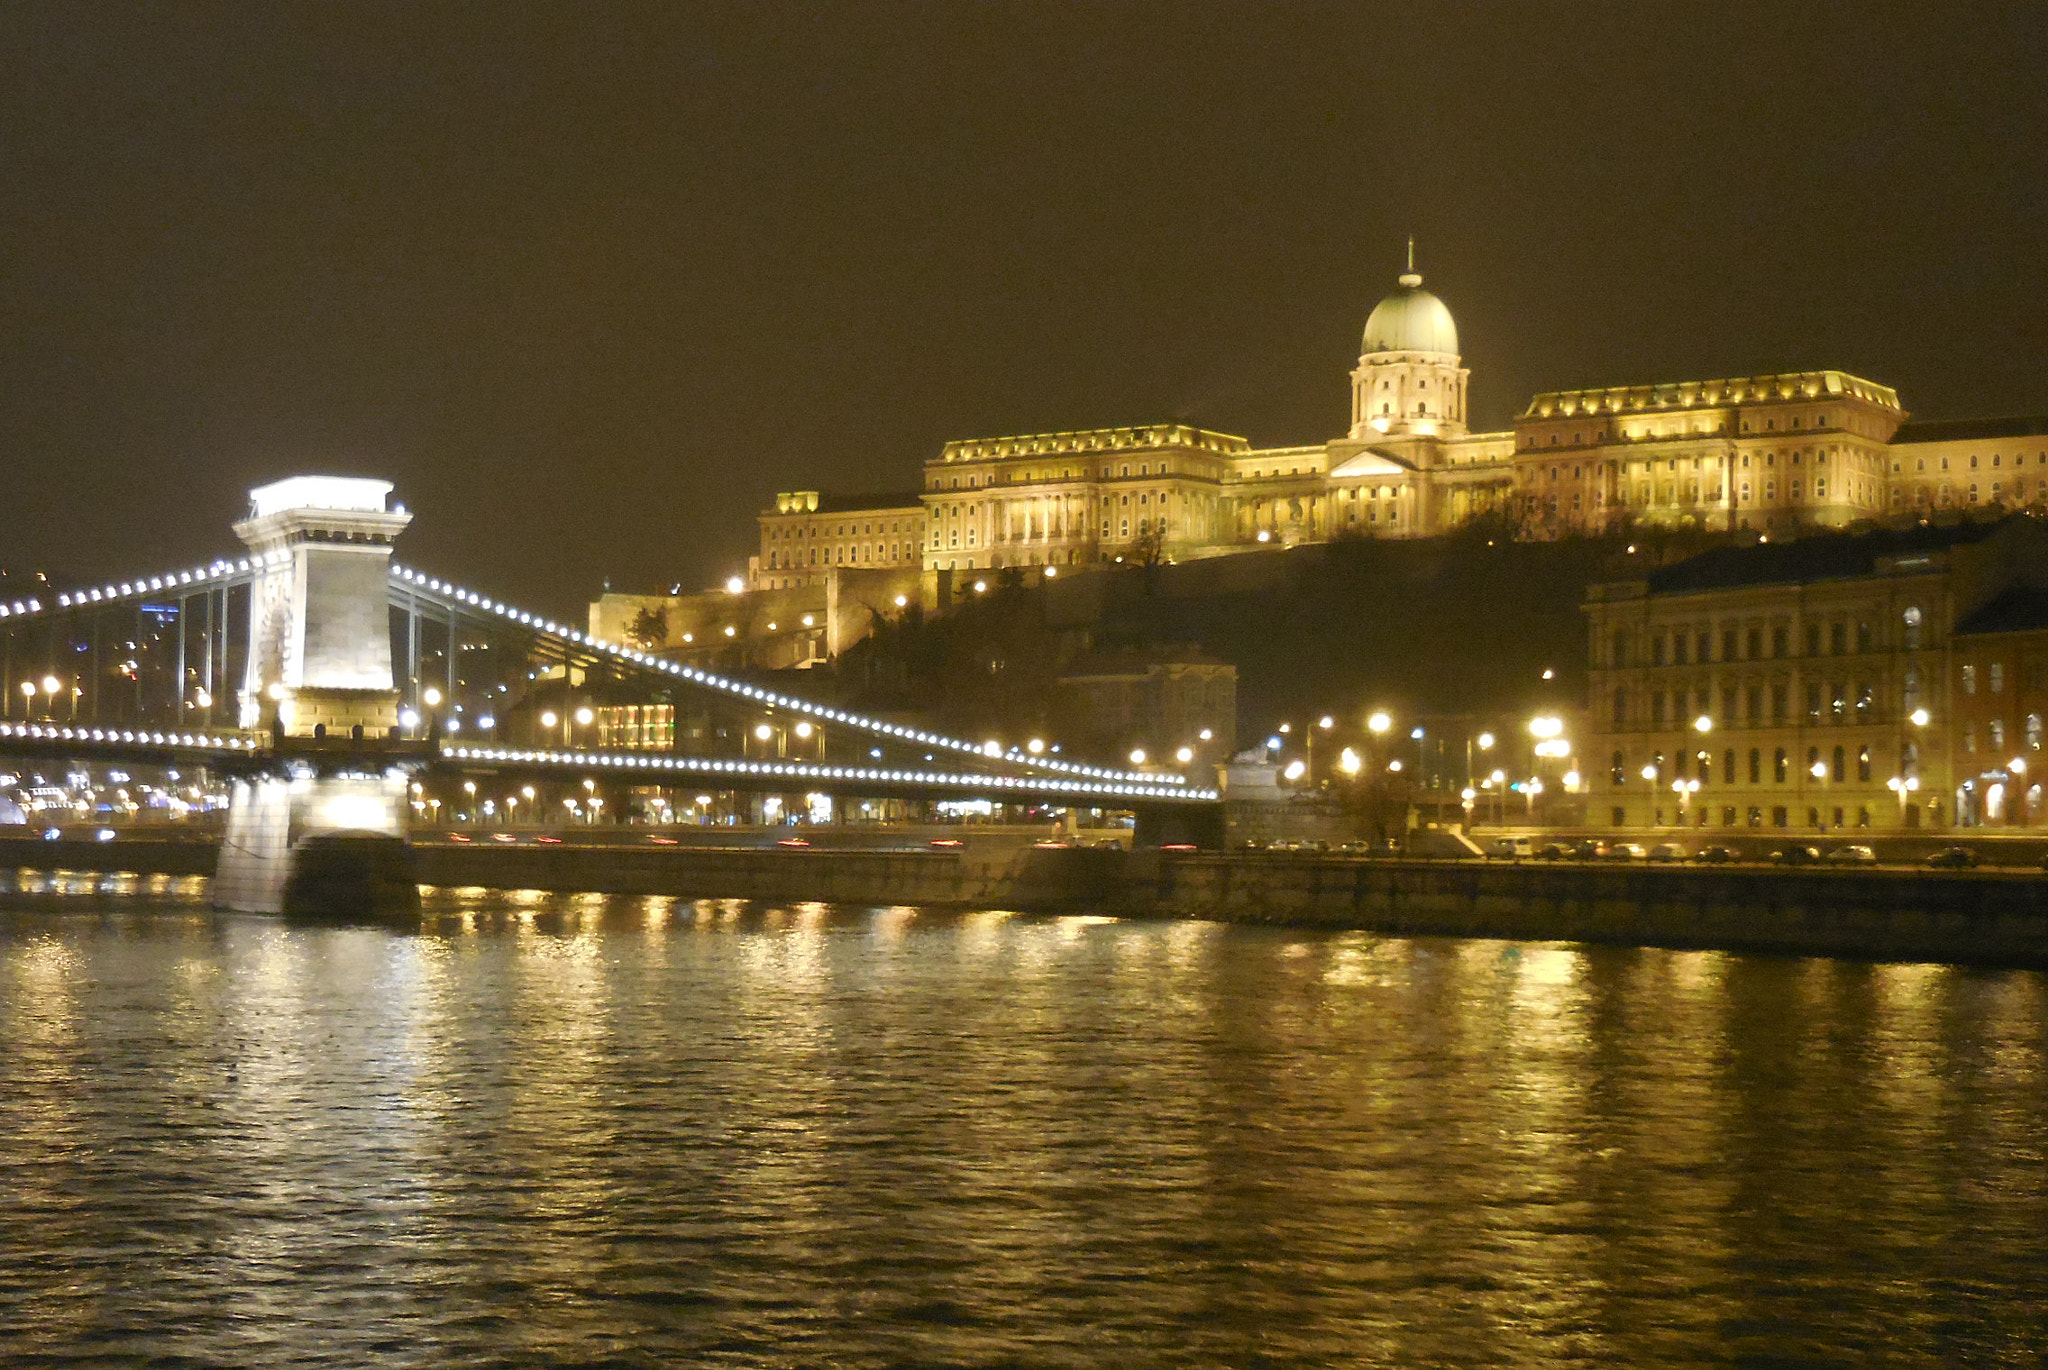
column 1812, row 447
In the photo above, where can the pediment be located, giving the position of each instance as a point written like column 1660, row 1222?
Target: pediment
column 1369, row 463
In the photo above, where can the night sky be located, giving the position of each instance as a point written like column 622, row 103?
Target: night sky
column 593, row 282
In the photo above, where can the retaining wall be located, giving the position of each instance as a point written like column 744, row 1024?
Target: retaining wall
column 1997, row 917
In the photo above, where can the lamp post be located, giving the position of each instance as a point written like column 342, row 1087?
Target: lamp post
column 1685, row 790
column 1650, row 774
column 1485, row 741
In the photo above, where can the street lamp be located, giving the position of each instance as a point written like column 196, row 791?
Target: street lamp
column 1485, row 742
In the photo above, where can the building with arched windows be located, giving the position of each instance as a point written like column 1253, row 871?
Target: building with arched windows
column 1811, row 448
column 1856, row 681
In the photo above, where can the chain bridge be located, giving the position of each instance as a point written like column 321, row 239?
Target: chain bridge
column 331, row 686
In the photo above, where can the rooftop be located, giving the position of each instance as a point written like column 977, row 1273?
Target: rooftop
column 2017, row 609
column 1969, row 430
column 1093, row 440
column 818, row 502
column 1682, row 395
column 1816, row 556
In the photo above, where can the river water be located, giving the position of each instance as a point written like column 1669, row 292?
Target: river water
column 581, row 1130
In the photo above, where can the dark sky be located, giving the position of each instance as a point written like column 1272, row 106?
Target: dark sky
column 592, row 281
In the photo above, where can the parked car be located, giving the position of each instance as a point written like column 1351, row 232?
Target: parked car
column 1716, row 856
column 1510, row 848
column 1667, row 851
column 1555, row 851
column 1589, row 849
column 1853, row 854
column 1313, row 846
column 1953, row 859
column 1796, row 856
column 1625, row 851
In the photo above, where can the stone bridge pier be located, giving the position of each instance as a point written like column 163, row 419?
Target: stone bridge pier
column 319, row 677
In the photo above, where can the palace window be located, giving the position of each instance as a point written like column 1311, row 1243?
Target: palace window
column 1996, row 678
column 1969, row 680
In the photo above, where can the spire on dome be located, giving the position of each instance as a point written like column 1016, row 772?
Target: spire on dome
column 1411, row 277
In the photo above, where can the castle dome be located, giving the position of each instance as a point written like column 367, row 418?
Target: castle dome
column 1411, row 320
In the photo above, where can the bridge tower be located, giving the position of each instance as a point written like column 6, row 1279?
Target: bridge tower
column 319, row 668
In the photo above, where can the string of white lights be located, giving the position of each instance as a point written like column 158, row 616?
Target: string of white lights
column 115, row 591
column 793, row 770
column 741, row 689
column 216, row 742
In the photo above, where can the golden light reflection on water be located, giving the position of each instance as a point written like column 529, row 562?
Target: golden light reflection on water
column 562, row 1128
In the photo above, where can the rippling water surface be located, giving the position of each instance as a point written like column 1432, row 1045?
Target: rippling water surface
column 570, row 1130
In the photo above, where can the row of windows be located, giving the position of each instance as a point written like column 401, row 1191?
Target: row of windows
column 788, row 534
column 1680, row 429
column 1833, row 765
column 1997, row 459
column 1995, row 735
column 1993, row 677
column 841, row 556
column 1836, row 702
column 1677, row 647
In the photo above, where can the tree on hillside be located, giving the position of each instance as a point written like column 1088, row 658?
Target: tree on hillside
column 649, row 628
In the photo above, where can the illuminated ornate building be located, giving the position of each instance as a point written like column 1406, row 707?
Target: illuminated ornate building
column 1814, row 448
column 1811, row 447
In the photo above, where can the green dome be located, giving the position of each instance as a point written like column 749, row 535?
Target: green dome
column 1411, row 320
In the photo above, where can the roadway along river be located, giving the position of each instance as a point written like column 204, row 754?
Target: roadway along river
column 570, row 1130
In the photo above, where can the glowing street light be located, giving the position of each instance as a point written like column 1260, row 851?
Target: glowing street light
column 1545, row 726
column 1919, row 717
column 1035, row 746
column 1184, row 755
column 430, row 696
column 1485, row 741
column 1818, row 770
column 1350, row 762
column 584, row 715
column 548, row 718
column 735, row 585
column 1296, row 769
column 1379, row 723
column 1703, row 724
column 1137, row 756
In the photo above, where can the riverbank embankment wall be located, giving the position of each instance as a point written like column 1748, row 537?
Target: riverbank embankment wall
column 1992, row 917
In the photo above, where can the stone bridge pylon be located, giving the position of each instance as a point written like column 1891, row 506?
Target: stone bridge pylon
column 318, row 677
